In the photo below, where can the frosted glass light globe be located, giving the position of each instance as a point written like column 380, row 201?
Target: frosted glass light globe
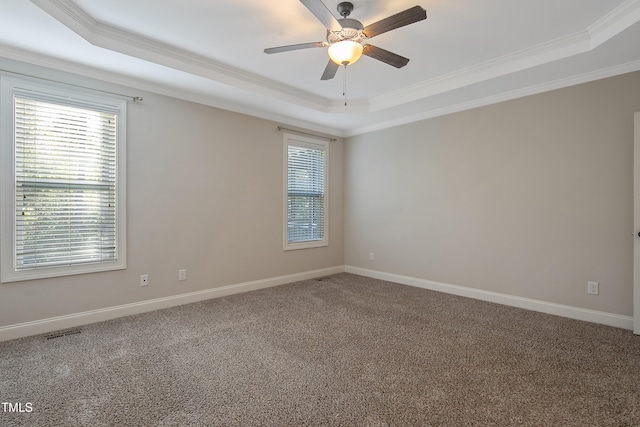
column 346, row 51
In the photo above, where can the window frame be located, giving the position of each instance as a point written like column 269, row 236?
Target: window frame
column 10, row 87
column 316, row 144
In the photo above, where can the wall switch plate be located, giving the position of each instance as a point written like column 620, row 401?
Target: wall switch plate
column 182, row 275
column 371, row 256
column 592, row 288
column 144, row 279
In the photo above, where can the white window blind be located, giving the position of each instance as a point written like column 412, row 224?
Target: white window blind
column 306, row 192
column 65, row 184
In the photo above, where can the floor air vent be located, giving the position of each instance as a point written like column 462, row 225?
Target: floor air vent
column 63, row 333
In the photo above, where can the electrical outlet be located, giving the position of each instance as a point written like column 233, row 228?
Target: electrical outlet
column 592, row 288
column 182, row 275
column 371, row 256
column 144, row 279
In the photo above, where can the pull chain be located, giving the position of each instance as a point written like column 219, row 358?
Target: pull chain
column 344, row 83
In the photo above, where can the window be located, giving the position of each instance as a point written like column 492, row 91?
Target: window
column 305, row 192
column 62, row 181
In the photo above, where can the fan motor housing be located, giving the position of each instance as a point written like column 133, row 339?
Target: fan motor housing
column 351, row 30
column 351, row 24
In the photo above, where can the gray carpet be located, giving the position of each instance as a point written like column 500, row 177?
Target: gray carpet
column 346, row 350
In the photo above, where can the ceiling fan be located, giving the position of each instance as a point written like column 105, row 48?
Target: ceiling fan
column 347, row 38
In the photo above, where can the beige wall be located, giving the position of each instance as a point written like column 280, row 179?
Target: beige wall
column 205, row 193
column 530, row 198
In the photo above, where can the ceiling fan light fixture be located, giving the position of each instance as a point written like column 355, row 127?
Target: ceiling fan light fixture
column 345, row 52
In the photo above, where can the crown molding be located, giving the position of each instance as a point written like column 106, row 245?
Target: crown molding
column 102, row 35
column 39, row 60
column 607, row 27
column 615, row 22
column 30, row 59
column 118, row 40
column 507, row 64
column 501, row 97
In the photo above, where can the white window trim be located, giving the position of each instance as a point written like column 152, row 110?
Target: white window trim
column 303, row 141
column 74, row 96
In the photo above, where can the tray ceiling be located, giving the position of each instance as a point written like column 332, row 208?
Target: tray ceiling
column 466, row 54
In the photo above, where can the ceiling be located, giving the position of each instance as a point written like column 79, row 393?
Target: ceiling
column 466, row 54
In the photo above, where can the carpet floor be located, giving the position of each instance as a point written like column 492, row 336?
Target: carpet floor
column 345, row 350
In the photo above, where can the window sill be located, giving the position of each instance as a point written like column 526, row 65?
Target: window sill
column 50, row 272
column 305, row 245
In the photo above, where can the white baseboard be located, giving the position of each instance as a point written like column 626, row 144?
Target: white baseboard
column 77, row 319
column 609, row 319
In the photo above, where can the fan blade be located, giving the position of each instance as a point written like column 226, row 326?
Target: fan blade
column 295, row 47
column 409, row 16
column 385, row 56
column 323, row 14
column 330, row 71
